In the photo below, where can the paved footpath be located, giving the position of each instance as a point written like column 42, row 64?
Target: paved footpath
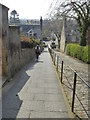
column 41, row 95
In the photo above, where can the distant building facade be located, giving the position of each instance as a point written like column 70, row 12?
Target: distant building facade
column 31, row 30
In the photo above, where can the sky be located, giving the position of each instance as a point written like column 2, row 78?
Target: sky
column 28, row 9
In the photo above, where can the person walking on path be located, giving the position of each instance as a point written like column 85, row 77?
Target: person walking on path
column 37, row 52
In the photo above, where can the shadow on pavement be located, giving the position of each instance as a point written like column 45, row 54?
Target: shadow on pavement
column 39, row 61
column 10, row 100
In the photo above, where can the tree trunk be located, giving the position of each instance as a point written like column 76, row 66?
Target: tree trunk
column 83, row 36
column 83, row 40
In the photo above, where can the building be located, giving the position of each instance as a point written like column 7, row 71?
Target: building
column 10, row 42
column 31, row 30
column 31, row 33
column 4, row 37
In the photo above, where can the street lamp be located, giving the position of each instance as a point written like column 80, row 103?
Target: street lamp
column 41, row 26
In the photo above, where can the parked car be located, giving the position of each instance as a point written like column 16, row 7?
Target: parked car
column 53, row 45
column 44, row 44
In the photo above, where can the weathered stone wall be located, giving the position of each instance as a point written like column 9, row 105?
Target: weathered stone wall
column 0, row 62
column 5, row 27
column 13, row 58
column 17, row 58
column 14, row 40
column 0, row 43
column 5, row 36
column 16, row 62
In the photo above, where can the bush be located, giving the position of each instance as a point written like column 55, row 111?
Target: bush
column 68, row 49
column 85, row 55
column 73, row 50
column 26, row 44
column 36, row 41
column 80, row 52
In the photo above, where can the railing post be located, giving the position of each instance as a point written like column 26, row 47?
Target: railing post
column 57, row 62
column 74, row 89
column 61, row 71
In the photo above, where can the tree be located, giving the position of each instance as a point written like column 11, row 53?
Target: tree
column 53, row 25
column 14, row 18
column 14, row 13
column 79, row 10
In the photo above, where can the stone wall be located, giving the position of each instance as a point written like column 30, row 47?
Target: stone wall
column 13, row 57
column 17, row 57
column 4, row 37
column 5, row 32
column 14, row 48
column 0, row 42
column 14, row 40
column 16, row 62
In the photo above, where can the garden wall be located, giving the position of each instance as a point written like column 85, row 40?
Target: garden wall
column 16, row 62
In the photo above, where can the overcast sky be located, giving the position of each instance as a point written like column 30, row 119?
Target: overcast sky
column 29, row 9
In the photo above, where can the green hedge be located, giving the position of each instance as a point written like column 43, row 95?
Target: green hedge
column 80, row 52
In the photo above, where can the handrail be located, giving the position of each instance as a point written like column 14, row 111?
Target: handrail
column 79, row 76
column 83, row 80
column 74, row 85
column 72, row 69
column 75, row 93
column 82, row 106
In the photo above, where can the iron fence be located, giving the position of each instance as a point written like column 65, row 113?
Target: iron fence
column 76, row 88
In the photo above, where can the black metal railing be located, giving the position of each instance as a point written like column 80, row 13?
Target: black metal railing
column 76, row 78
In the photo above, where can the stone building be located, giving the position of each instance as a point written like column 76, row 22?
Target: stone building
column 14, row 40
column 10, row 42
column 0, row 41
column 12, row 58
column 4, row 36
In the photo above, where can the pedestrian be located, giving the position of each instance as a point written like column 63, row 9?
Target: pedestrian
column 37, row 52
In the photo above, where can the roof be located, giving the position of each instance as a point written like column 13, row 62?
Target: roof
column 4, row 6
column 30, row 30
column 14, row 27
